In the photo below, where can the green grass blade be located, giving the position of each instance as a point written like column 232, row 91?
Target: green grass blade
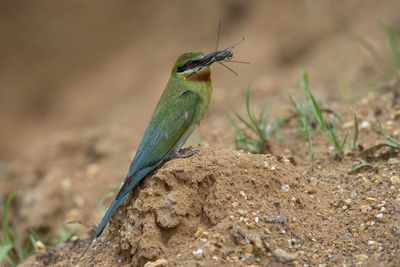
column 4, row 250
column 248, row 125
column 359, row 166
column 249, row 112
column 269, row 103
column 355, row 134
column 330, row 134
column 372, row 51
column 235, row 127
column 393, row 45
column 7, row 235
column 65, row 237
column 334, row 128
column 310, row 98
column 385, row 134
column 344, row 141
column 256, row 126
column 306, row 128
column 391, row 144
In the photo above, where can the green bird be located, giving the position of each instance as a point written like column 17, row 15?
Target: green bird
column 180, row 109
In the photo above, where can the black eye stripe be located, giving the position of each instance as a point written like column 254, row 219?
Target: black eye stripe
column 189, row 64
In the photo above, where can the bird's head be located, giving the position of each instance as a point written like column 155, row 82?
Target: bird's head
column 195, row 66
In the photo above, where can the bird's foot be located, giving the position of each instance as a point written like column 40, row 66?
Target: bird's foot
column 184, row 153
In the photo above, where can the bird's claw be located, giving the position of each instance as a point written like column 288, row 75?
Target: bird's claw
column 184, row 153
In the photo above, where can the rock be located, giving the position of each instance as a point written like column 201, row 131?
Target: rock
column 242, row 212
column 348, row 201
column 365, row 125
column 257, row 243
column 284, row 256
column 157, row 263
column 393, row 161
column 348, row 236
column 314, row 181
column 281, row 219
column 365, row 208
column 251, row 225
column 198, row 254
column 395, row 180
column 40, row 245
column 248, row 248
column 198, row 233
column 166, row 216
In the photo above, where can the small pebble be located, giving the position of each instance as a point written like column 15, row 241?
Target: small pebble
column 365, row 208
column 314, row 181
column 353, row 195
column 257, row 243
column 243, row 194
column 198, row 233
column 198, row 254
column 371, row 243
column 157, row 263
column 348, row 201
column 248, row 248
column 40, row 245
column 371, row 199
column 285, row 188
column 216, row 236
column 284, row 256
column 395, row 180
column 251, row 225
column 365, row 124
column 385, row 234
column 377, row 178
column 242, row 212
column 364, row 180
column 379, row 216
column 347, row 236
column 281, row 220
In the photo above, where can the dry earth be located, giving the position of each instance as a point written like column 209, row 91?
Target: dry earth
column 220, row 206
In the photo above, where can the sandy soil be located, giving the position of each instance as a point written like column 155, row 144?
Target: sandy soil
column 75, row 108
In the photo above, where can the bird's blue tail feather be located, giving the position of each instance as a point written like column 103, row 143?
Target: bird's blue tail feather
column 114, row 205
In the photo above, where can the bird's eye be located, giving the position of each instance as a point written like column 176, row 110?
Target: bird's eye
column 189, row 63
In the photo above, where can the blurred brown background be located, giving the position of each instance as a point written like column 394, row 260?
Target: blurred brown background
column 85, row 63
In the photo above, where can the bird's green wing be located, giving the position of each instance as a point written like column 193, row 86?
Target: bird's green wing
column 164, row 131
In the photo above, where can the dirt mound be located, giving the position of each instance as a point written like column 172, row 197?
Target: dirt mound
column 225, row 205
